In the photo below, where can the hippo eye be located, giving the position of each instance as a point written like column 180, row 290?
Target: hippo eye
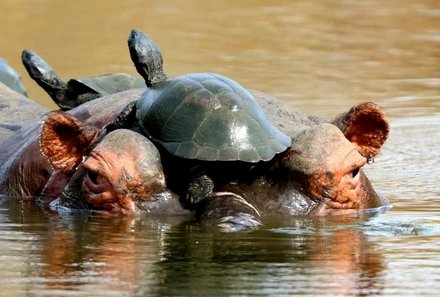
column 93, row 176
column 354, row 172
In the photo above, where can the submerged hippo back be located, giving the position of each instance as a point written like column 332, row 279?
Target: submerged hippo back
column 16, row 111
column 289, row 121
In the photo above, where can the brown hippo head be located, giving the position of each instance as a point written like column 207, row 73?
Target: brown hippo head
column 329, row 157
column 119, row 172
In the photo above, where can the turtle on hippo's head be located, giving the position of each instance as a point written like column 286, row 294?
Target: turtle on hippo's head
column 200, row 117
column 227, row 143
column 321, row 174
column 68, row 95
column 203, row 116
column 236, row 158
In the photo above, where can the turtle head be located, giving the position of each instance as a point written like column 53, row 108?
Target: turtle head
column 40, row 71
column 43, row 74
column 146, row 57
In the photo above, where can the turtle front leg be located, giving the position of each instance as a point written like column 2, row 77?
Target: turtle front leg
column 199, row 187
column 229, row 212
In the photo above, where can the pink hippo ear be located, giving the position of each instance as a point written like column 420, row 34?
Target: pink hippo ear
column 65, row 140
column 365, row 125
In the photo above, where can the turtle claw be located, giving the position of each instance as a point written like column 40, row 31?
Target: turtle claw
column 200, row 187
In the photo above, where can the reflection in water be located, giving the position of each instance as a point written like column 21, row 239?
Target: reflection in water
column 265, row 262
column 82, row 252
column 176, row 258
column 72, row 251
column 348, row 253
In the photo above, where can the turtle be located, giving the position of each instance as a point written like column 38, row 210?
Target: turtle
column 11, row 78
column 198, row 117
column 68, row 95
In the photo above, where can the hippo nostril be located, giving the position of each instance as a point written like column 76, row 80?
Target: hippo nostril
column 326, row 193
column 93, row 176
column 355, row 172
column 126, row 175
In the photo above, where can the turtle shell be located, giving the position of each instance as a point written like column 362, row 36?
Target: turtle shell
column 208, row 117
column 10, row 77
column 105, row 84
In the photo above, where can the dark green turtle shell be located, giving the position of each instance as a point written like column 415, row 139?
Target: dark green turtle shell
column 208, row 117
column 105, row 84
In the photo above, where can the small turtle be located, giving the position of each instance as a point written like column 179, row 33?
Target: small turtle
column 75, row 91
column 202, row 116
column 199, row 116
column 11, row 78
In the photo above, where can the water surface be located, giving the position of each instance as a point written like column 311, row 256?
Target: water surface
column 318, row 56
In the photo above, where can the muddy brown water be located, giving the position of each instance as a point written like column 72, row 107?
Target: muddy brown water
column 318, row 56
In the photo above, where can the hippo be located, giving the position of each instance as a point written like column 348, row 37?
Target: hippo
column 206, row 123
column 320, row 174
column 67, row 159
